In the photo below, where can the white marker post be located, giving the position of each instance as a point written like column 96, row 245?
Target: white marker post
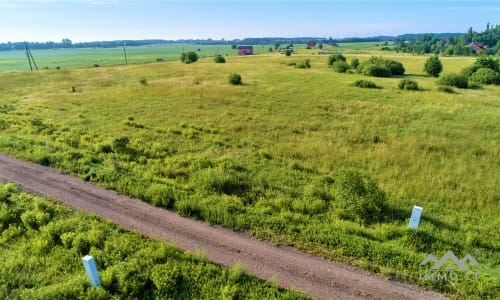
column 415, row 217
column 91, row 269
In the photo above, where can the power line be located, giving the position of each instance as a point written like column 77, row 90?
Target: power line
column 29, row 55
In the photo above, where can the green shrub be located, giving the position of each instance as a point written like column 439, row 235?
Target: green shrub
column 452, row 79
column 359, row 198
column 235, row 79
column 143, row 81
column 119, row 144
column 219, row 59
column 376, row 71
column 354, row 63
column 340, row 66
column 365, row 84
column 335, row 57
column 288, row 52
column 395, row 67
column 488, row 62
column 485, row 76
column 433, row 66
column 189, row 57
column 380, row 67
column 407, row 84
column 160, row 195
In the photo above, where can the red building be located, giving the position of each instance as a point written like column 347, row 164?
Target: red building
column 478, row 47
column 311, row 44
column 245, row 50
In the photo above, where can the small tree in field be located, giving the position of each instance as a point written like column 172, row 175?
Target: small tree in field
column 219, row 59
column 189, row 57
column 235, row 79
column 433, row 66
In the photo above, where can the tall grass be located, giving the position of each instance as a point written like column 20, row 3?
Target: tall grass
column 265, row 156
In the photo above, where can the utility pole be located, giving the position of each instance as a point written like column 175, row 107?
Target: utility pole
column 31, row 60
column 125, row 53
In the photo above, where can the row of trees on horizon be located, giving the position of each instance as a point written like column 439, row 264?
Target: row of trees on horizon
column 440, row 43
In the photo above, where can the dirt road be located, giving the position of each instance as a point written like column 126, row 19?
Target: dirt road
column 319, row 278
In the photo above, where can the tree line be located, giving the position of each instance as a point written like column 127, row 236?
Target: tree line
column 452, row 45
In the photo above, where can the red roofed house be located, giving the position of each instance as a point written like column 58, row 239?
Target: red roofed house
column 311, row 44
column 478, row 47
column 245, row 50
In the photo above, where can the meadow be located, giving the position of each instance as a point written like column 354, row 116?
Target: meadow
column 42, row 245
column 88, row 57
column 280, row 155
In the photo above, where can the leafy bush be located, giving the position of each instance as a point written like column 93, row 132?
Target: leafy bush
column 395, row 67
column 379, row 67
column 219, row 59
column 143, row 81
column 376, row 71
column 485, row 76
column 189, row 57
column 359, row 198
column 453, row 79
column 487, row 62
column 354, row 63
column 335, row 57
column 407, row 84
column 235, row 79
column 340, row 66
column 433, row 66
column 365, row 84
column 288, row 52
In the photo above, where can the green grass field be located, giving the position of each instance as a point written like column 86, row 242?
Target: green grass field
column 41, row 246
column 269, row 156
column 88, row 57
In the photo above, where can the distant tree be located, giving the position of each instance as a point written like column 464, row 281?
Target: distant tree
column 270, row 49
column 219, row 59
column 335, row 57
column 189, row 57
column 433, row 66
column 320, row 46
column 288, row 52
column 276, row 45
column 233, row 46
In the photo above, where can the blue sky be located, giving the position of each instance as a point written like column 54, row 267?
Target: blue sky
column 95, row 20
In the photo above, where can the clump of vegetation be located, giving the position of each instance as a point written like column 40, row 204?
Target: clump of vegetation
column 219, row 59
column 355, row 63
column 365, row 84
column 306, row 64
column 380, row 67
column 455, row 80
column 288, row 52
column 189, row 57
column 143, row 81
column 433, row 66
column 119, row 144
column 335, row 57
column 408, row 84
column 446, row 89
column 340, row 66
column 485, row 76
column 235, row 79
column 130, row 266
column 358, row 198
